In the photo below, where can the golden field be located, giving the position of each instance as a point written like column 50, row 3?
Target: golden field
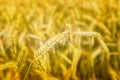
column 59, row 39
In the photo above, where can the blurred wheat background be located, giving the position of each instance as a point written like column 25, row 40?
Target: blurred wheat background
column 59, row 39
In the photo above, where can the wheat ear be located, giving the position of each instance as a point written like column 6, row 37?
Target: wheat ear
column 50, row 43
column 39, row 54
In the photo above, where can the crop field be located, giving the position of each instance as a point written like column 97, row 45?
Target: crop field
column 59, row 39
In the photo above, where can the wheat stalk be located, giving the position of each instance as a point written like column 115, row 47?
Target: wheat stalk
column 39, row 55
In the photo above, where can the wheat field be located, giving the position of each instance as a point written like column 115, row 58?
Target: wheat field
column 59, row 39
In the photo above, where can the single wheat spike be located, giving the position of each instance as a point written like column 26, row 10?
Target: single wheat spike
column 50, row 43
column 39, row 55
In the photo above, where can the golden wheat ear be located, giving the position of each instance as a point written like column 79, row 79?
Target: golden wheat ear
column 50, row 43
column 39, row 55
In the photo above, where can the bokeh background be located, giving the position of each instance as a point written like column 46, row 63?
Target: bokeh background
column 91, row 53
